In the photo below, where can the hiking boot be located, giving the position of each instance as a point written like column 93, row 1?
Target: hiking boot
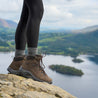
column 15, row 65
column 33, row 68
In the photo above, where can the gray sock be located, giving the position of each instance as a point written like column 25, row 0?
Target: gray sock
column 19, row 52
column 32, row 51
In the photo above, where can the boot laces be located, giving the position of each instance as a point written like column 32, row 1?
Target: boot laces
column 39, row 59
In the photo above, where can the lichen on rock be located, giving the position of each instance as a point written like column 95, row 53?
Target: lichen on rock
column 13, row 86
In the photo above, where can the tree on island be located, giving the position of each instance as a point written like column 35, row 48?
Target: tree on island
column 66, row 70
column 75, row 60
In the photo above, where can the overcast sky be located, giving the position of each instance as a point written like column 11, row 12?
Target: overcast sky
column 57, row 13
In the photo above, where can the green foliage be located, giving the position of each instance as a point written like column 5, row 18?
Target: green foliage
column 7, row 33
column 56, row 43
column 66, row 70
column 77, row 60
column 69, row 44
column 7, row 39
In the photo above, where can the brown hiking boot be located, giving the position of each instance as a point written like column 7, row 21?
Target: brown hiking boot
column 32, row 68
column 15, row 65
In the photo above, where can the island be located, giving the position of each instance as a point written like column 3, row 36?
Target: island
column 75, row 60
column 66, row 70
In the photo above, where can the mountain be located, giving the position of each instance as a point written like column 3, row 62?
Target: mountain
column 70, row 44
column 83, row 41
column 87, row 29
column 54, row 30
column 7, row 23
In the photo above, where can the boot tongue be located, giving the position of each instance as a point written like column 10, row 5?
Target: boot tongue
column 38, row 57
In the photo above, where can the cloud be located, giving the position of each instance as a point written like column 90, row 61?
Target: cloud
column 10, row 9
column 57, row 13
column 75, row 14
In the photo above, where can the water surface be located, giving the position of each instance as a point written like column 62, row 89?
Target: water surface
column 85, row 86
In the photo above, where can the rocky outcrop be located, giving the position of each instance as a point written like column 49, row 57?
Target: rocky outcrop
column 13, row 86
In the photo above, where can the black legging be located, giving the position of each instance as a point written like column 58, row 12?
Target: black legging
column 28, row 27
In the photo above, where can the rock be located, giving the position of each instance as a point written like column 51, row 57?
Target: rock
column 13, row 86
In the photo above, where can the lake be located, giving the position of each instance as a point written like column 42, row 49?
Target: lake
column 85, row 86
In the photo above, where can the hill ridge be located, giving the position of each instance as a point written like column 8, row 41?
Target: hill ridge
column 7, row 23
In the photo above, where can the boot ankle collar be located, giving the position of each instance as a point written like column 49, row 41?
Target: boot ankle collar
column 30, row 57
column 19, row 58
column 33, row 57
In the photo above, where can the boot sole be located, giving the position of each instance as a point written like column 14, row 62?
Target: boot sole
column 28, row 74
column 16, row 72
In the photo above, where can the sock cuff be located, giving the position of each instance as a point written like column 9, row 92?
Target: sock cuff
column 19, row 52
column 32, row 51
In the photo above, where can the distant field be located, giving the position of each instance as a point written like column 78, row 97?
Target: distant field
column 56, row 43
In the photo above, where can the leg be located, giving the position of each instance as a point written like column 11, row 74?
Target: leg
column 35, row 15
column 20, row 36
column 20, row 40
column 33, row 66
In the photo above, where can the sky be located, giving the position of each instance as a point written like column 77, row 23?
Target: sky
column 58, row 14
